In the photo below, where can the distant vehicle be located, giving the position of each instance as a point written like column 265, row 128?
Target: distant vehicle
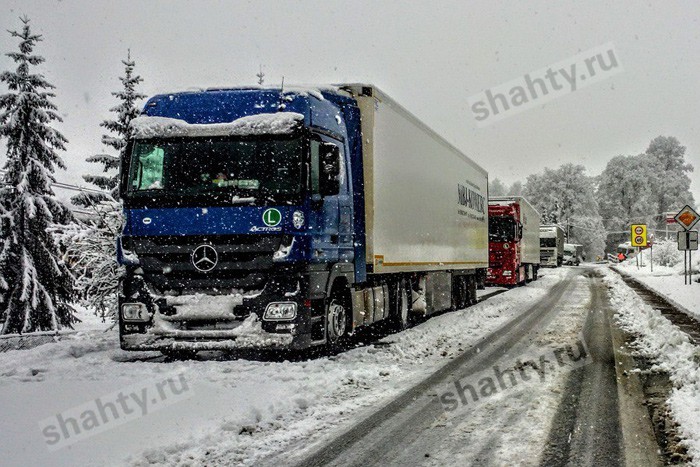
column 299, row 214
column 573, row 254
column 626, row 249
column 551, row 245
column 514, row 241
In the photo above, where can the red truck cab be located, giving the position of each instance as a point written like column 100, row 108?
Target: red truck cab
column 513, row 242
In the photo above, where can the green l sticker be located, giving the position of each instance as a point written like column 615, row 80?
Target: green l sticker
column 271, row 217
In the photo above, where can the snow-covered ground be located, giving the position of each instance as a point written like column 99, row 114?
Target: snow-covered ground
column 668, row 281
column 510, row 429
column 665, row 344
column 236, row 411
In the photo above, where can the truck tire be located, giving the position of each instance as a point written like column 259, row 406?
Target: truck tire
column 401, row 318
column 337, row 317
column 472, row 286
column 460, row 298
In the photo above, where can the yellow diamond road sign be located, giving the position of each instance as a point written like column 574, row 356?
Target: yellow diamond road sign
column 638, row 235
column 687, row 217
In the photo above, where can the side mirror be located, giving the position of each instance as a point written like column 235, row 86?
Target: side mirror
column 330, row 169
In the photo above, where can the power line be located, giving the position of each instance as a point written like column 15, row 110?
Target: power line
column 68, row 186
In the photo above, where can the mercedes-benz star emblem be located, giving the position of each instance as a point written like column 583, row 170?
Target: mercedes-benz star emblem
column 205, row 258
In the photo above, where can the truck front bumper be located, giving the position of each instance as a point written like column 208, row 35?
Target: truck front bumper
column 218, row 322
column 196, row 340
column 496, row 277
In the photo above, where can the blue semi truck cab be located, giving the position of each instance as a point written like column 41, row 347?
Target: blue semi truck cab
column 245, row 225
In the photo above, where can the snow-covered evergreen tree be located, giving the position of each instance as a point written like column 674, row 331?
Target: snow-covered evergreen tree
column 91, row 250
column 36, row 286
column 126, row 111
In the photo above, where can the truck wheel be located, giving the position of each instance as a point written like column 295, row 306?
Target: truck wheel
column 402, row 308
column 336, row 321
column 473, row 298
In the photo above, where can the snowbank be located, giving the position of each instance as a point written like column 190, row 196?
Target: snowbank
column 663, row 342
column 262, row 124
column 668, row 281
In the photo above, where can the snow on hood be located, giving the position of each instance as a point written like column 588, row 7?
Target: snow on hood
column 261, row 124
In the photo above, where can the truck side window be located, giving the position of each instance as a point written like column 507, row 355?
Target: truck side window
column 150, row 168
column 316, row 167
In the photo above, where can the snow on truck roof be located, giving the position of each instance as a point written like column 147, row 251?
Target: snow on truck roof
column 280, row 123
column 297, row 89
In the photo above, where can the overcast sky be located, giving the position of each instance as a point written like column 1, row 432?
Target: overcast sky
column 429, row 56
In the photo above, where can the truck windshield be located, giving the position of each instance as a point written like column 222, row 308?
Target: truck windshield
column 213, row 165
column 501, row 229
column 548, row 242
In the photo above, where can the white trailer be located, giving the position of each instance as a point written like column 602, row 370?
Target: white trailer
column 426, row 212
column 425, row 201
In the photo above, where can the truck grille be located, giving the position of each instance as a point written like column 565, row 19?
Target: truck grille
column 242, row 260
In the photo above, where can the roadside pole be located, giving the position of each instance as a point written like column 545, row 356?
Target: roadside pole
column 687, row 240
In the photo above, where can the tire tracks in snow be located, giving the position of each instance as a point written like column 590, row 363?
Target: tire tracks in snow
column 405, row 425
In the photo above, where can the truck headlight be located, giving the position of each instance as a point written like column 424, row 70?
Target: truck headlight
column 280, row 311
column 135, row 312
column 298, row 219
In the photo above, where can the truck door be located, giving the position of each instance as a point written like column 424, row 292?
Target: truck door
column 331, row 201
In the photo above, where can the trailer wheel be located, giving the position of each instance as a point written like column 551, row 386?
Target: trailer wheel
column 460, row 292
column 401, row 318
column 471, row 290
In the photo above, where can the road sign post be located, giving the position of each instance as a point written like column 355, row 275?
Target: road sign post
column 688, row 242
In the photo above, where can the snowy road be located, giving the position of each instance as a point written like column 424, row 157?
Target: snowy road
column 568, row 416
column 402, row 390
